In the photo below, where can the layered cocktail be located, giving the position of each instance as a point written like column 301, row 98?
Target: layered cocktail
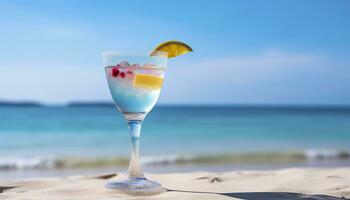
column 135, row 88
column 135, row 83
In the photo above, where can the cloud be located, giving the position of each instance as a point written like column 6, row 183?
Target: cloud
column 270, row 58
column 54, row 84
column 273, row 76
column 236, row 70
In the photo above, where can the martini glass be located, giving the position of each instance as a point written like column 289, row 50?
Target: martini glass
column 135, row 82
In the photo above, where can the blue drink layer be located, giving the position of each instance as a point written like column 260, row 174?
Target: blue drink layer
column 128, row 97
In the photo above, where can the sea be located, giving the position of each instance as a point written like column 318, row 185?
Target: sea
column 55, row 140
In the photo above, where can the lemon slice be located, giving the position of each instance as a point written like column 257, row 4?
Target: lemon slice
column 148, row 81
column 173, row 48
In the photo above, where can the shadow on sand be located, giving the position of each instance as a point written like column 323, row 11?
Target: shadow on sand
column 268, row 195
column 3, row 188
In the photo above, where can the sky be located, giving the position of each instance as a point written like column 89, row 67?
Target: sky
column 245, row 52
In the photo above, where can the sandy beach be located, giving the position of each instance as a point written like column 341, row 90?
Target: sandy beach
column 293, row 183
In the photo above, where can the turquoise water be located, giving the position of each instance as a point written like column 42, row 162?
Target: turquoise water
column 91, row 132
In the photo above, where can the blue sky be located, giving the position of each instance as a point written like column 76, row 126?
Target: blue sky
column 245, row 52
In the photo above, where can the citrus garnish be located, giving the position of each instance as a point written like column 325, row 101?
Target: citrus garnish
column 173, row 48
column 148, row 81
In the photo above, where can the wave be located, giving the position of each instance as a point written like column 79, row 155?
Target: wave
column 254, row 157
column 50, row 162
column 27, row 163
column 325, row 154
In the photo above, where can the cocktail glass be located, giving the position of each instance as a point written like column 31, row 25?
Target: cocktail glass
column 135, row 82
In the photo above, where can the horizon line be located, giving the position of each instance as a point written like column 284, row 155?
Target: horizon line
column 111, row 103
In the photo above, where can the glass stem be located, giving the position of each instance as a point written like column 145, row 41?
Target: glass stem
column 135, row 170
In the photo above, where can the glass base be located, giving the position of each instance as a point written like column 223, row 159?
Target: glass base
column 136, row 187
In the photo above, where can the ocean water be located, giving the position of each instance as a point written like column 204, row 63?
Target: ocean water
column 97, row 136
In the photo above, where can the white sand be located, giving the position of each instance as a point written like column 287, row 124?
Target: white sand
column 301, row 183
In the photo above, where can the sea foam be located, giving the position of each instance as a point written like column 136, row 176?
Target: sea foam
column 52, row 162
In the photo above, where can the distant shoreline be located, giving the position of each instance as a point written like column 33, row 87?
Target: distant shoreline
column 233, row 106
column 20, row 104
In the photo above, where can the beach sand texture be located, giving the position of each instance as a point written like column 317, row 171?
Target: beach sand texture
column 294, row 183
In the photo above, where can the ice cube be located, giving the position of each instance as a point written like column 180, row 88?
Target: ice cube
column 124, row 64
column 149, row 65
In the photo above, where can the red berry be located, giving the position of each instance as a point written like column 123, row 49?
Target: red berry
column 129, row 72
column 115, row 72
column 122, row 74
